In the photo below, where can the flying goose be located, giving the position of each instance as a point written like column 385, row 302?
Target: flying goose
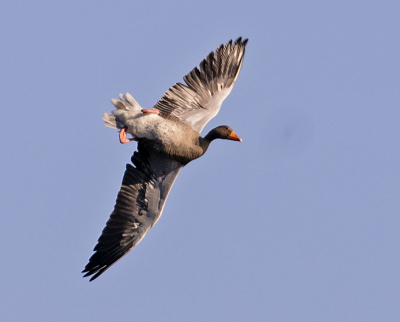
column 168, row 137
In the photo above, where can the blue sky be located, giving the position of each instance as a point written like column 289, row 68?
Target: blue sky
column 299, row 222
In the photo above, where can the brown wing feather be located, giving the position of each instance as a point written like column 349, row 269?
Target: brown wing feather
column 200, row 99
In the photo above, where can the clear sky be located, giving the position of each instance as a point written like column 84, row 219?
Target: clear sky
column 299, row 222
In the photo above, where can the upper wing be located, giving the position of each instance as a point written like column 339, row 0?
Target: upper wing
column 139, row 205
column 200, row 100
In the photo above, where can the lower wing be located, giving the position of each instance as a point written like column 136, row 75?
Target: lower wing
column 139, row 205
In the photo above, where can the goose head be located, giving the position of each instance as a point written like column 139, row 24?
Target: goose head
column 222, row 132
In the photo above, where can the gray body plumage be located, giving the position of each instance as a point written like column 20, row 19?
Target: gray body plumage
column 167, row 142
column 188, row 148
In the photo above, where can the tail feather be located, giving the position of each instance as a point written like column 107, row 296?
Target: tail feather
column 119, row 104
column 126, row 106
column 110, row 121
column 129, row 99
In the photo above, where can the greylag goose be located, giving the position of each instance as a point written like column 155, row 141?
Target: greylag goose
column 168, row 137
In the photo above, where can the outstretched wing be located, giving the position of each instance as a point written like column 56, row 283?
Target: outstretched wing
column 200, row 100
column 139, row 205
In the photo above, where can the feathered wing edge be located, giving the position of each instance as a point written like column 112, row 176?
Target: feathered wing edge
column 139, row 205
column 215, row 78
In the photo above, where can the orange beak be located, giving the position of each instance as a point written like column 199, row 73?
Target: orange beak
column 234, row 137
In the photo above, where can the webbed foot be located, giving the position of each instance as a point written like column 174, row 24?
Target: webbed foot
column 150, row 111
column 123, row 138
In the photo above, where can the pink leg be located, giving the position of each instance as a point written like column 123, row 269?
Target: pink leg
column 150, row 111
column 122, row 136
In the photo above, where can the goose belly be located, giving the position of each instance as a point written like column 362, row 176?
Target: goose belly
column 154, row 127
column 168, row 138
